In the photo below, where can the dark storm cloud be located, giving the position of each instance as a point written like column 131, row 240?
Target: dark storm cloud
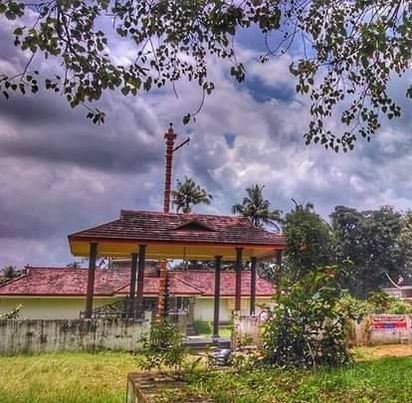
column 59, row 173
column 45, row 129
column 34, row 110
column 121, row 154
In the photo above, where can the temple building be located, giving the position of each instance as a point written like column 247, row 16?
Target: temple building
column 141, row 235
column 60, row 292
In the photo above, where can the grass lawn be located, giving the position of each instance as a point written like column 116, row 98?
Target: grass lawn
column 225, row 332
column 378, row 380
column 65, row 377
column 81, row 377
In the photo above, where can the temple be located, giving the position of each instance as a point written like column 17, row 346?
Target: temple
column 141, row 235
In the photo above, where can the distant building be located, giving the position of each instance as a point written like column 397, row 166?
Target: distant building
column 59, row 293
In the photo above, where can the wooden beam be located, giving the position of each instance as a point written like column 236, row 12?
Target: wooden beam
column 132, row 291
column 238, row 286
column 252, row 285
column 90, row 280
column 218, row 264
column 140, row 279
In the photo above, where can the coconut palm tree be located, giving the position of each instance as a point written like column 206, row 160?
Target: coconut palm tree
column 10, row 272
column 188, row 194
column 257, row 209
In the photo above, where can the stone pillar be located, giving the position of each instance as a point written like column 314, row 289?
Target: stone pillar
column 90, row 280
column 279, row 270
column 140, row 280
column 132, row 292
column 238, row 286
column 252, row 285
column 218, row 264
column 190, row 331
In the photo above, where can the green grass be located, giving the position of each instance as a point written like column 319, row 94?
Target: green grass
column 92, row 378
column 379, row 380
column 65, row 377
column 225, row 332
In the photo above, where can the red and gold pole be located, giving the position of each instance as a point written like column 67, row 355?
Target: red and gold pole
column 170, row 137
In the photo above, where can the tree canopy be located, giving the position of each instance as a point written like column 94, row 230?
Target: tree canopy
column 348, row 51
column 374, row 242
column 188, row 194
column 255, row 207
column 309, row 239
column 10, row 272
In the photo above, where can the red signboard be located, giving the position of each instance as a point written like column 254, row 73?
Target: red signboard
column 389, row 323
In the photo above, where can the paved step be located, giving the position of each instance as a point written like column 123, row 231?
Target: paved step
column 206, row 342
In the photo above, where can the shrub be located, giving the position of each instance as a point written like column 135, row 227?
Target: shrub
column 380, row 302
column 306, row 328
column 163, row 348
column 202, row 327
column 14, row 314
column 353, row 307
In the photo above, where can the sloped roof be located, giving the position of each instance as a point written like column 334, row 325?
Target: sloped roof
column 54, row 281
column 205, row 281
column 154, row 226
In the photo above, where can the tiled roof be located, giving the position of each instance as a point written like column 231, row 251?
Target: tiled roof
column 151, row 287
column 64, row 281
column 205, row 281
column 154, row 226
column 53, row 281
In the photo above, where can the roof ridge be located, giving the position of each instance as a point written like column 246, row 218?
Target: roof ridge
column 51, row 268
column 187, row 283
column 188, row 215
column 116, row 291
column 208, row 271
column 12, row 280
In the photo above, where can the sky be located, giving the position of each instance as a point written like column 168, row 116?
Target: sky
column 59, row 173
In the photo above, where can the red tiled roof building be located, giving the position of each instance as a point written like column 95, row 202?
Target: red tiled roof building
column 138, row 235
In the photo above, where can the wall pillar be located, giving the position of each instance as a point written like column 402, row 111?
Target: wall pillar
column 132, row 292
column 218, row 264
column 140, row 279
column 252, row 285
column 90, row 280
column 238, row 285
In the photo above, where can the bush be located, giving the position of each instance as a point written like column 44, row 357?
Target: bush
column 163, row 348
column 306, row 328
column 380, row 302
column 14, row 314
column 202, row 327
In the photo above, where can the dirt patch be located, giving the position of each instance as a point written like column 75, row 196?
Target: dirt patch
column 388, row 350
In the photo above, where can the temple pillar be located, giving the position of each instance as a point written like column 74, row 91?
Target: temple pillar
column 132, row 291
column 252, row 285
column 279, row 270
column 190, row 331
column 140, row 279
column 90, row 280
column 218, row 264
column 238, row 285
